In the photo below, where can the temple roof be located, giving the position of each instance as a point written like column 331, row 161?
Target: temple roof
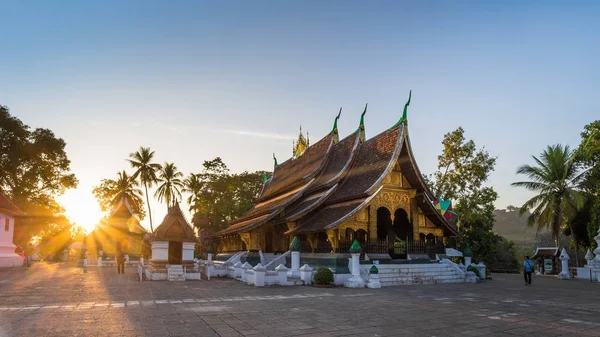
column 334, row 179
column 124, row 218
column 175, row 227
column 7, row 207
column 546, row 252
column 298, row 171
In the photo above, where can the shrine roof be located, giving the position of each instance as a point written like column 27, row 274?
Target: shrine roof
column 175, row 227
column 338, row 161
column 546, row 252
column 123, row 217
column 374, row 160
column 7, row 207
column 298, row 171
column 329, row 216
column 308, row 203
column 246, row 225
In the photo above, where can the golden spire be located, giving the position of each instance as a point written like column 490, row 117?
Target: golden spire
column 301, row 144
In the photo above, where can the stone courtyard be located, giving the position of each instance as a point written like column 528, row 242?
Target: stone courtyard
column 61, row 300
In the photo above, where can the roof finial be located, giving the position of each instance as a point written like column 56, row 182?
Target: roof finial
column 404, row 118
column 361, row 128
column 274, row 160
column 336, row 136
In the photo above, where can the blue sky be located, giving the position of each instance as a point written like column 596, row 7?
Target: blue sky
column 198, row 79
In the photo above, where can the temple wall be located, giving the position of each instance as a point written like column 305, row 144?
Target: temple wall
column 188, row 251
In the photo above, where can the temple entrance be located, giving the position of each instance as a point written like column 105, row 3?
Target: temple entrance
column 175, row 252
column 402, row 227
column 384, row 223
column 268, row 242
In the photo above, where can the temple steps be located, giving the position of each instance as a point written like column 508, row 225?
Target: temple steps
column 391, row 275
column 175, row 273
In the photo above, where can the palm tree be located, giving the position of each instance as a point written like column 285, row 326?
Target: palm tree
column 141, row 161
column 556, row 180
column 170, row 184
column 193, row 185
column 125, row 187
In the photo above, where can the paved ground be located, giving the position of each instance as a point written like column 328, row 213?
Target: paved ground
column 60, row 300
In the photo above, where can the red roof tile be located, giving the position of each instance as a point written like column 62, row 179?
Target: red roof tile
column 298, row 171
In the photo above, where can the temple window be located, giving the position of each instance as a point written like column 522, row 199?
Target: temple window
column 6, row 225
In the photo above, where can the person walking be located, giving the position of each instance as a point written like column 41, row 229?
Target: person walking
column 527, row 270
column 121, row 263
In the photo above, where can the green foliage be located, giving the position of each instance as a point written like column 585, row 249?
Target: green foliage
column 555, row 178
column 110, row 192
column 34, row 170
column 170, row 184
column 145, row 171
column 588, row 158
column 474, row 269
column 323, row 276
column 461, row 175
column 221, row 196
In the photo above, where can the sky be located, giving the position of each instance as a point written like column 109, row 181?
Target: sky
column 199, row 79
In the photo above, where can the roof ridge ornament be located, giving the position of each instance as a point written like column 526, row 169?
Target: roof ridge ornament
column 361, row 127
column 300, row 145
column 336, row 136
column 274, row 161
column 404, row 118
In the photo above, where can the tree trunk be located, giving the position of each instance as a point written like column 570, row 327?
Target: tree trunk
column 148, row 203
column 576, row 250
column 556, row 222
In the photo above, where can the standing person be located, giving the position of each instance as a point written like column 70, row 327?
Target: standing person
column 121, row 263
column 527, row 270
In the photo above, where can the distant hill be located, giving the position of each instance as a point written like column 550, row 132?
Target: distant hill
column 513, row 226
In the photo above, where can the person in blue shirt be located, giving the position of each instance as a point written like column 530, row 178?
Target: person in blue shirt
column 527, row 270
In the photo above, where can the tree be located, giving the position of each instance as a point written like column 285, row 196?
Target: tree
column 34, row 170
column 588, row 159
column 461, row 175
column 192, row 185
column 221, row 196
column 555, row 178
column 146, row 170
column 170, row 184
column 110, row 192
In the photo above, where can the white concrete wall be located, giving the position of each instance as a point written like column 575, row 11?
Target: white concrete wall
column 160, row 250
column 8, row 257
column 188, row 251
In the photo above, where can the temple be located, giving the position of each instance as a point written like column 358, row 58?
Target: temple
column 121, row 231
column 173, row 248
column 338, row 190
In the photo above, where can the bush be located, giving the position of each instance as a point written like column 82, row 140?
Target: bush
column 323, row 276
column 474, row 269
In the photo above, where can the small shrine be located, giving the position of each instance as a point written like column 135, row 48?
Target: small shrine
column 173, row 248
column 591, row 271
column 120, row 232
column 8, row 212
column 546, row 259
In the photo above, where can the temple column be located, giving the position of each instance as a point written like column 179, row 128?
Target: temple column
column 312, row 240
column 333, row 237
column 246, row 239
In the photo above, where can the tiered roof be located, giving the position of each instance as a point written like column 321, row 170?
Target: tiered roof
column 334, row 179
column 175, row 227
column 123, row 218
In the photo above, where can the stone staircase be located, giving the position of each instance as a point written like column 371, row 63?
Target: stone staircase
column 268, row 257
column 175, row 273
column 400, row 274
